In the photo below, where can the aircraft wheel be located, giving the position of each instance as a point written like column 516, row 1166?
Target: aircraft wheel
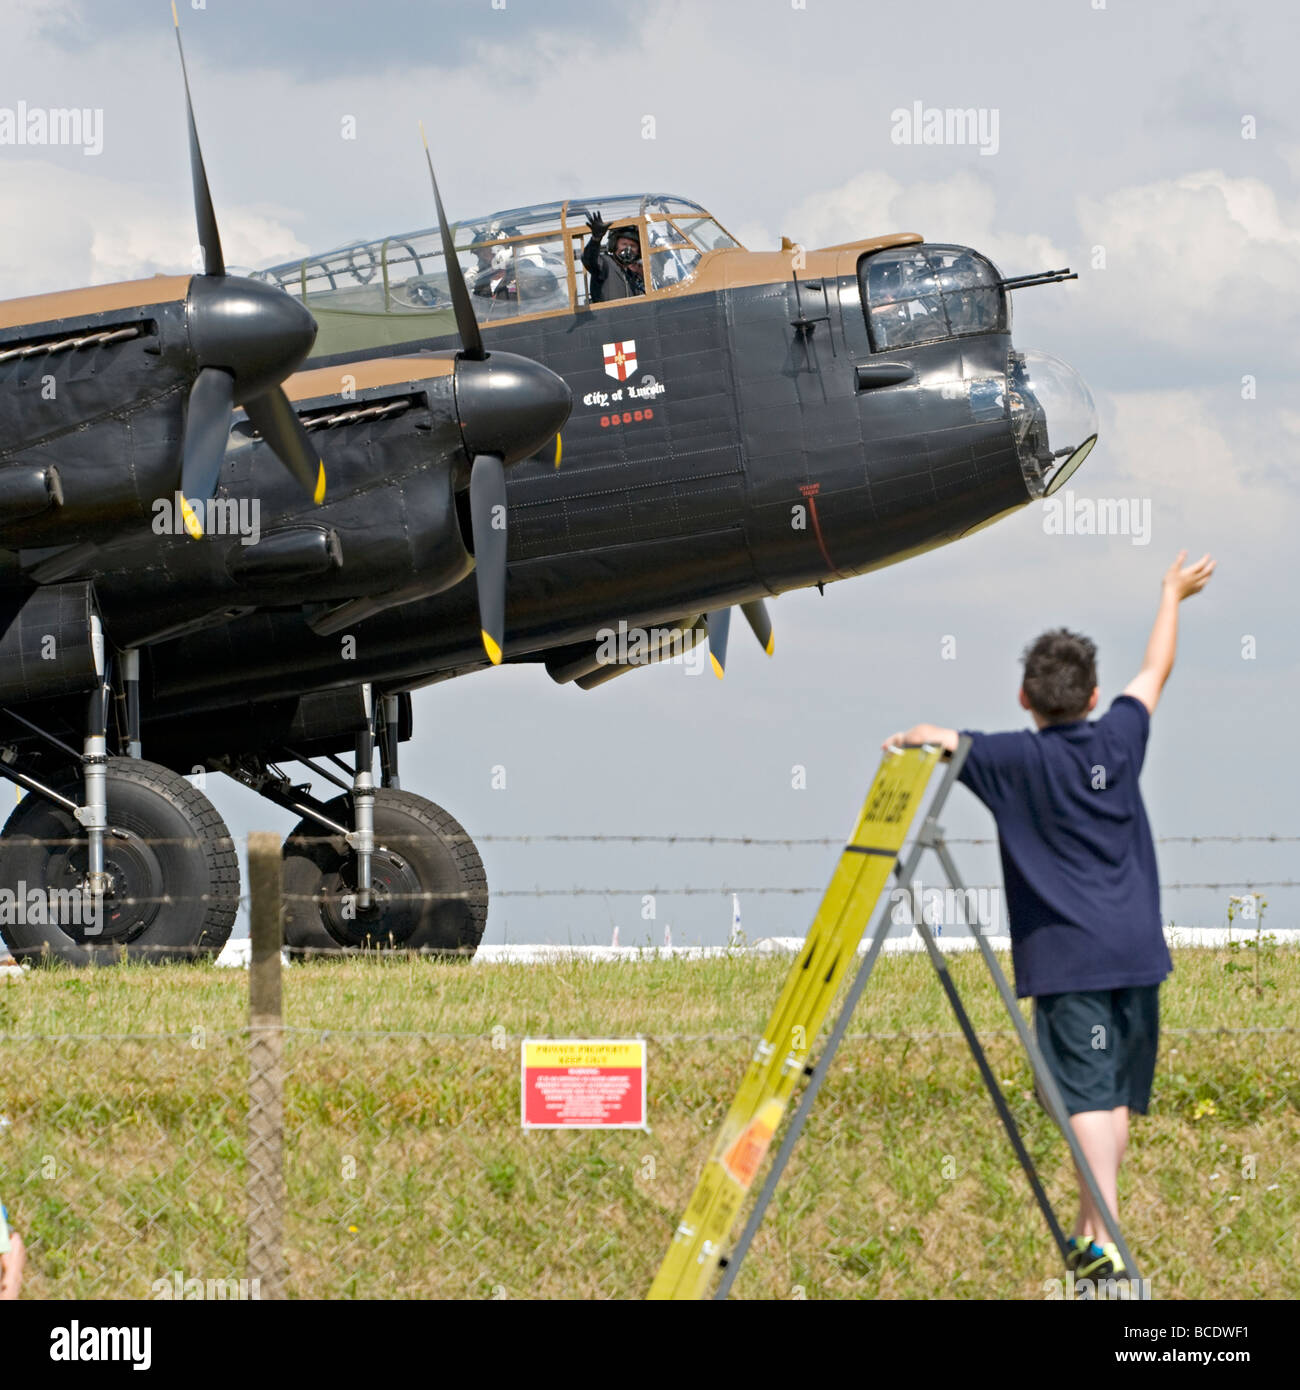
column 173, row 872
column 420, row 852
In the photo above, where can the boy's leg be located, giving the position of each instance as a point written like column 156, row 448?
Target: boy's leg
column 1137, row 1031
column 1098, row 1138
column 1076, row 1033
column 1119, row 1123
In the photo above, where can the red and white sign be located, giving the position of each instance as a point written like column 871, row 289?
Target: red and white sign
column 620, row 359
column 583, row 1083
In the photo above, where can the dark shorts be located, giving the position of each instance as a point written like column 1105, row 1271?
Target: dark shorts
column 1100, row 1045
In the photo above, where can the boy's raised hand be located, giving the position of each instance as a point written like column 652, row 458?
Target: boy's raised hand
column 922, row 733
column 1185, row 580
column 1180, row 582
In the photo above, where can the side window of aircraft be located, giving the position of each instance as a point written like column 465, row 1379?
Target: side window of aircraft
column 511, row 272
column 706, row 233
column 672, row 257
column 613, row 214
column 924, row 294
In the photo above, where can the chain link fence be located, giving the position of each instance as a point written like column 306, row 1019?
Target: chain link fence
column 269, row 1161
column 338, row 1164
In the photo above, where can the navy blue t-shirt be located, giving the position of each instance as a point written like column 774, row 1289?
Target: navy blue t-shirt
column 1078, row 862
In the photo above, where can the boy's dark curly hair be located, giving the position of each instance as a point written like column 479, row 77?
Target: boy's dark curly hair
column 1060, row 675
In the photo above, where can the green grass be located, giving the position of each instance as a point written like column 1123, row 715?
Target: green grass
column 408, row 1174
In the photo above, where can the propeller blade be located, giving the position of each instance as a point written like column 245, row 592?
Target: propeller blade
column 207, row 427
column 487, row 509
column 757, row 616
column 204, row 215
column 719, row 623
column 471, row 339
column 277, row 422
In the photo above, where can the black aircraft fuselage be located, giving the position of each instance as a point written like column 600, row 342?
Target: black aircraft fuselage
column 516, row 471
column 776, row 420
column 744, row 437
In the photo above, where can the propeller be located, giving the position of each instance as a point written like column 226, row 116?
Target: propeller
column 487, row 509
column 719, row 625
column 509, row 407
column 207, row 427
column 247, row 337
column 471, row 340
column 757, row 616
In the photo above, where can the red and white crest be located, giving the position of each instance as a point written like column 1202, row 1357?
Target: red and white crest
column 620, row 359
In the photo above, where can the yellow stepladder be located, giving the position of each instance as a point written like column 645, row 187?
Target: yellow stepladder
column 704, row 1241
column 780, row 1059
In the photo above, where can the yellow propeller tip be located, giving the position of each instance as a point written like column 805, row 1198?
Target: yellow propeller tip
column 771, row 645
column 423, row 137
column 175, row 18
column 717, row 666
column 493, row 651
column 558, row 450
column 319, row 495
column 192, row 523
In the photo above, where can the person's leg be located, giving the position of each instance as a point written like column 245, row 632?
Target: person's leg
column 1095, row 1131
column 1137, row 1027
column 1074, row 1033
column 1119, row 1123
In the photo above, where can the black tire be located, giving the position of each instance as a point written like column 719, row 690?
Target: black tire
column 419, row 850
column 169, row 854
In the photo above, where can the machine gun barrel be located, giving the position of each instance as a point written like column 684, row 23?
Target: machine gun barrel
column 1042, row 277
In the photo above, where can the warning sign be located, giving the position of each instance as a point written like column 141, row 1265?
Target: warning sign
column 583, row 1083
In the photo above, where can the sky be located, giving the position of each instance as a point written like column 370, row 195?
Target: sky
column 1153, row 147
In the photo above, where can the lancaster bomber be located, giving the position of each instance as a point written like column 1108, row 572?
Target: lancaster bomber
column 242, row 518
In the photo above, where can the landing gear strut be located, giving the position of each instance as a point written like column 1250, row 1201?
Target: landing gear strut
column 112, row 855
column 376, row 867
column 427, row 890
column 170, row 874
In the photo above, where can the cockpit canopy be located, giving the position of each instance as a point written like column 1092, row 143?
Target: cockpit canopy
column 519, row 262
column 928, row 293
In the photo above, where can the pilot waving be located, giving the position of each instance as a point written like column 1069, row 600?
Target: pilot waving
column 615, row 271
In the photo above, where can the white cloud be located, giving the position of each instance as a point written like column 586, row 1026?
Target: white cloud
column 1212, row 473
column 63, row 228
column 1202, row 259
column 961, row 208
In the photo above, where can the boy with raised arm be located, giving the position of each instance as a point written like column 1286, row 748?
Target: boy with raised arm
column 1082, row 893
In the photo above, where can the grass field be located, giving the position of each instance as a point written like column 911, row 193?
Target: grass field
column 125, row 1092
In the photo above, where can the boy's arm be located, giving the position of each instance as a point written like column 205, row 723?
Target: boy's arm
column 923, row 733
column 1179, row 583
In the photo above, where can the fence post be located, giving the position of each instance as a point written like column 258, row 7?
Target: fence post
column 265, row 1070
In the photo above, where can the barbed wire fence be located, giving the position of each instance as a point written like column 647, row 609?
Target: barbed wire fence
column 1240, row 886
column 272, row 1161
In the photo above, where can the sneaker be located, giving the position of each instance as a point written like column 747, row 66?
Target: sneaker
column 1103, row 1267
column 1100, row 1262
column 1076, row 1247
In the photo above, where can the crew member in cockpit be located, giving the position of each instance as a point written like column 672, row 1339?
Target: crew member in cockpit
column 615, row 269
column 492, row 274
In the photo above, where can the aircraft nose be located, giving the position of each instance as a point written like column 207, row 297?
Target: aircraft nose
column 249, row 328
column 508, row 405
column 1053, row 419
